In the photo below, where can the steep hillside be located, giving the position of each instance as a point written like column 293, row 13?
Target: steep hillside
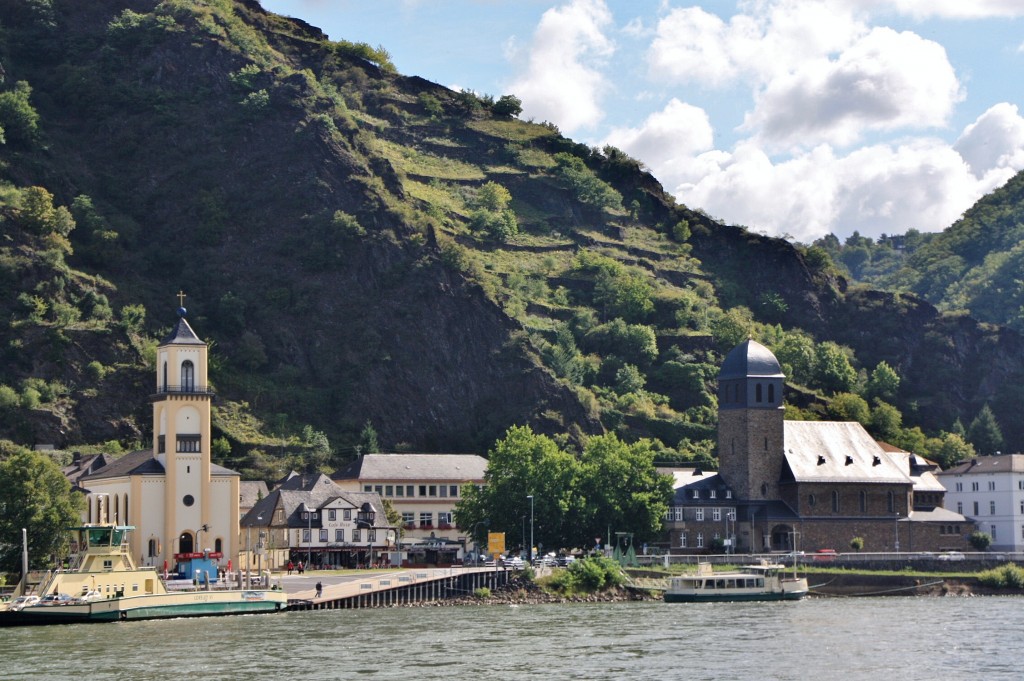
column 366, row 247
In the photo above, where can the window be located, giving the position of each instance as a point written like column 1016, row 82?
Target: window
column 678, row 514
column 332, row 514
column 992, row 486
column 188, row 500
column 444, row 491
column 323, row 536
column 188, row 443
column 367, row 488
column 811, row 500
column 682, row 538
column 371, row 535
column 698, row 514
column 975, row 508
column 347, row 514
column 305, row 535
column 992, row 531
column 1020, row 484
column 379, row 489
column 716, row 514
column 700, row 540
column 339, row 536
column 890, row 501
column 863, row 501
column 771, row 393
column 426, row 519
column 959, row 487
column 399, row 491
column 696, row 494
column 453, row 490
column 408, row 490
column 423, row 490
column 444, row 519
column 712, row 493
column 960, row 507
column 974, row 487
column 991, row 508
column 188, row 375
column 1022, row 507
column 356, row 535
column 433, row 490
column 757, row 392
column 835, row 501
column 153, row 551
column 389, row 490
column 408, row 517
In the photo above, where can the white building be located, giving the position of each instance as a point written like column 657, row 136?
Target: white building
column 177, row 499
column 990, row 491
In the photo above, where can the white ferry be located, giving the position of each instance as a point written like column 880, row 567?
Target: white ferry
column 103, row 584
column 764, row 582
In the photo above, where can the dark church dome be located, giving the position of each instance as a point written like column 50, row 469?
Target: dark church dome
column 750, row 359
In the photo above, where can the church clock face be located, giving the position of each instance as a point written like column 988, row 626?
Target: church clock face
column 188, row 500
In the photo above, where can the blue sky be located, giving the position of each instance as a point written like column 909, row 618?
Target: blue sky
column 791, row 117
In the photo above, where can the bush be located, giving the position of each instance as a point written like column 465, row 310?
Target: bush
column 482, row 592
column 980, row 540
column 1004, row 576
column 857, row 543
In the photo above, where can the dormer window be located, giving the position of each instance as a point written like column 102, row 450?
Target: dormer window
column 696, row 494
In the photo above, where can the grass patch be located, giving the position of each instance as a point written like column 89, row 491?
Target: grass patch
column 513, row 131
column 420, row 163
column 437, row 195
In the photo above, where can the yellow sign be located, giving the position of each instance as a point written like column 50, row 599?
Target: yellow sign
column 495, row 543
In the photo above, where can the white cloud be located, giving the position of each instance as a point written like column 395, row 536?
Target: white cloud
column 675, row 135
column 994, row 142
column 884, row 81
column 695, row 46
column 950, row 9
column 559, row 84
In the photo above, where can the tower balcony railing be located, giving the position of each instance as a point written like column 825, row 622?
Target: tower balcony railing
column 184, row 390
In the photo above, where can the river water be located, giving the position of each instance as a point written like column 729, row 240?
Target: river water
column 923, row 638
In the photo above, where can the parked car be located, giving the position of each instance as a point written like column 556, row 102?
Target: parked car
column 56, row 599
column 24, row 602
column 566, row 561
column 951, row 555
column 825, row 555
column 514, row 562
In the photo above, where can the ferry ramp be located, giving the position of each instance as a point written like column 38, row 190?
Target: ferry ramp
column 400, row 588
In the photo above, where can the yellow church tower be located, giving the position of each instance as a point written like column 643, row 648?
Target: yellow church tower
column 194, row 504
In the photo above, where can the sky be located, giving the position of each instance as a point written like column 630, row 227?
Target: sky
column 793, row 118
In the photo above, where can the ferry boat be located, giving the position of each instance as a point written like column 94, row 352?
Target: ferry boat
column 103, row 584
column 764, row 582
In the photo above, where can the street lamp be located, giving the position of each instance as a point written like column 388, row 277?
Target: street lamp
column 309, row 529
column 522, row 522
column 530, row 553
column 259, row 547
column 896, row 526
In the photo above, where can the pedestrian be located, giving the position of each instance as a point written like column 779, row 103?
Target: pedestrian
column 291, row 566
column 319, row 589
column 301, row 569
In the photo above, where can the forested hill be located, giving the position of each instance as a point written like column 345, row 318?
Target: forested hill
column 974, row 266
column 382, row 262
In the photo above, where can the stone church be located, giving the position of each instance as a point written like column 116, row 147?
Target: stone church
column 177, row 499
column 812, row 484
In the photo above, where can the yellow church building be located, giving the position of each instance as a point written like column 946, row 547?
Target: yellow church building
column 179, row 501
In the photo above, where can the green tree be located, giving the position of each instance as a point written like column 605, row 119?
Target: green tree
column 951, row 450
column 980, row 540
column 36, row 496
column 984, row 432
column 623, row 294
column 885, row 421
column 18, row 119
column 368, row 443
column 883, row 383
column 833, row 372
column 493, row 196
column 850, row 407
column 507, row 106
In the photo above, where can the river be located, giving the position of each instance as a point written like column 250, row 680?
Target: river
column 819, row 638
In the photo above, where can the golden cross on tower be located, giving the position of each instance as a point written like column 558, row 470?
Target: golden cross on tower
column 181, row 298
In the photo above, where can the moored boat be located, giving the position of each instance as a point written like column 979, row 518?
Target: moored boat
column 103, row 584
column 764, row 582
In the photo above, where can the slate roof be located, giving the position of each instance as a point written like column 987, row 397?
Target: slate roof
column 750, row 359
column 182, row 334
column 838, row 451
column 1004, row 463
column 317, row 493
column 937, row 515
column 140, row 463
column 369, row 467
column 251, row 491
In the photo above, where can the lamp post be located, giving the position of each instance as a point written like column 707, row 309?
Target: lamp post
column 259, row 547
column 896, row 527
column 530, row 553
column 522, row 522
column 309, row 529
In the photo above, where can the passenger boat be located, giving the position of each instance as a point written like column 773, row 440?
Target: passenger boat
column 103, row 584
column 764, row 582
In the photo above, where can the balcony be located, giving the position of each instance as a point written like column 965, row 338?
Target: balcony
column 200, row 390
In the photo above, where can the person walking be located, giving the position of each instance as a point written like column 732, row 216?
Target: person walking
column 291, row 566
column 319, row 589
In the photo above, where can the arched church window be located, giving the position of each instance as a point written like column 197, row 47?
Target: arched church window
column 835, row 501
column 124, row 509
column 153, row 551
column 811, row 500
column 757, row 392
column 771, row 393
column 218, row 545
column 891, row 501
column 188, row 375
column 863, row 501
column 164, row 388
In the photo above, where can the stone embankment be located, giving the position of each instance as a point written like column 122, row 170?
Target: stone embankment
column 521, row 591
